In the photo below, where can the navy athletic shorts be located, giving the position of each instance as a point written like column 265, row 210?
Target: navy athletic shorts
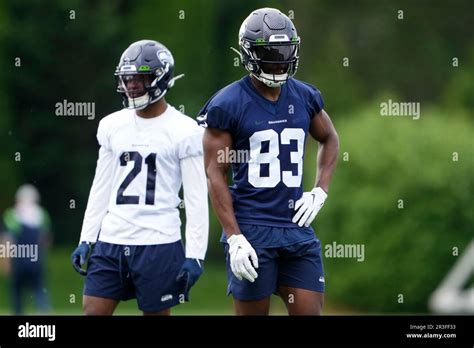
column 298, row 265
column 145, row 272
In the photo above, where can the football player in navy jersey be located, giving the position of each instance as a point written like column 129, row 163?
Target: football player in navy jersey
column 270, row 246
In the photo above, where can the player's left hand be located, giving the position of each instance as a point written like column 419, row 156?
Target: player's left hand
column 79, row 257
column 189, row 274
column 308, row 206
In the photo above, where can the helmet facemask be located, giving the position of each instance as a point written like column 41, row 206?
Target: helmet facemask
column 277, row 63
column 269, row 46
column 140, row 89
column 271, row 63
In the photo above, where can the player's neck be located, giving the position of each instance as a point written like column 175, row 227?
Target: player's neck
column 270, row 93
column 153, row 110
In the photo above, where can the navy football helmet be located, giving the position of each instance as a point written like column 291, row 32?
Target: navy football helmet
column 144, row 74
column 269, row 46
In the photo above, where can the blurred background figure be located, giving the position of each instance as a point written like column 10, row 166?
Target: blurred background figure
column 26, row 226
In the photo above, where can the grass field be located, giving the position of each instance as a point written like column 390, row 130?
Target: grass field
column 208, row 296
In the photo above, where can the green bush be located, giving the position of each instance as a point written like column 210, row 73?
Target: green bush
column 408, row 251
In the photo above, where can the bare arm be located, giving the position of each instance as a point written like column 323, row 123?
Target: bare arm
column 322, row 130
column 215, row 141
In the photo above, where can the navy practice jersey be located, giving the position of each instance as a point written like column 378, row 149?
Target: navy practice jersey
column 268, row 142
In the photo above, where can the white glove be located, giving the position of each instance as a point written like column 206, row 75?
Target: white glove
column 240, row 250
column 309, row 205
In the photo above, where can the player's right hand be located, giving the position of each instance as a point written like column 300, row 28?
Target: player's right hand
column 79, row 257
column 241, row 252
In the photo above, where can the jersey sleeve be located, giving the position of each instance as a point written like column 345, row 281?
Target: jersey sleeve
column 98, row 197
column 218, row 117
column 315, row 102
column 10, row 222
column 196, row 206
column 219, row 112
column 191, row 144
column 102, row 135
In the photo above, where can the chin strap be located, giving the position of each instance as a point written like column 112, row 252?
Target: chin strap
column 271, row 82
column 139, row 102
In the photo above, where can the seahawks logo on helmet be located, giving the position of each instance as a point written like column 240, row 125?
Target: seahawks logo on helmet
column 165, row 57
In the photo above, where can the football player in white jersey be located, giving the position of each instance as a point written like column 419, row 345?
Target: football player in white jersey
column 148, row 150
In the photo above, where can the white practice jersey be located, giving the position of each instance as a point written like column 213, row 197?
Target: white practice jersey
column 142, row 164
